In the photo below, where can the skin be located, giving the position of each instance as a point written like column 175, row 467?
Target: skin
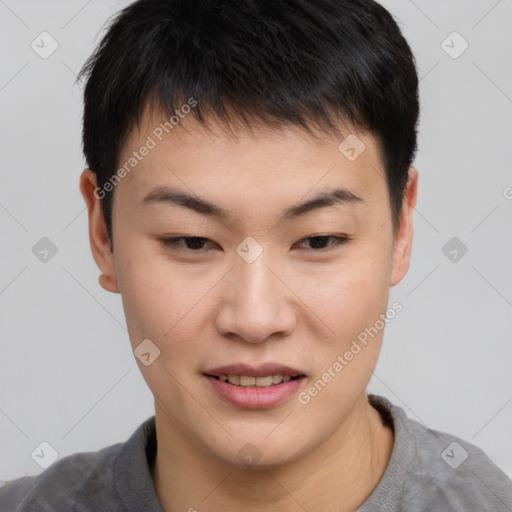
column 295, row 305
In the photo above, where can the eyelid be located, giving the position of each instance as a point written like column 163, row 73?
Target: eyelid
column 339, row 241
column 174, row 242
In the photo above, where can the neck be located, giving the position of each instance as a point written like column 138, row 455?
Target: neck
column 337, row 476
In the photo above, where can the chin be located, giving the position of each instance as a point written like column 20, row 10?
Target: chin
column 259, row 452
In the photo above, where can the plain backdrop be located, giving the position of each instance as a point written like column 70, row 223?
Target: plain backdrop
column 67, row 372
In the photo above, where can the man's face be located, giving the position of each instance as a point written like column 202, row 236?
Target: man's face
column 259, row 289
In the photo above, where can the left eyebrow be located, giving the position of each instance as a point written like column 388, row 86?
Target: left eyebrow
column 175, row 197
column 322, row 200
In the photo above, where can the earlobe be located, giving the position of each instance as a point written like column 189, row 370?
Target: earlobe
column 98, row 235
column 107, row 283
column 403, row 239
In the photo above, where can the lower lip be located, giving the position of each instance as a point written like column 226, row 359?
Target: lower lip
column 255, row 397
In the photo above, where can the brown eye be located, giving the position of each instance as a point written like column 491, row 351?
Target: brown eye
column 321, row 242
column 191, row 243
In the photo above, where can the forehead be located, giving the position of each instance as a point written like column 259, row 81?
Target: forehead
column 248, row 164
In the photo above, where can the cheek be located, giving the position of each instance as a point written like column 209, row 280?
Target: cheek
column 348, row 304
column 349, row 343
column 348, row 297
column 162, row 303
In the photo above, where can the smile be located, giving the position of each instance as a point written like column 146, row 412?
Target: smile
column 260, row 382
column 249, row 392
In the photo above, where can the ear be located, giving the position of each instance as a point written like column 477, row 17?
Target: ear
column 98, row 236
column 403, row 238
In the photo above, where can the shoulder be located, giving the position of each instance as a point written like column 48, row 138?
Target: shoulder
column 456, row 474
column 436, row 470
column 76, row 482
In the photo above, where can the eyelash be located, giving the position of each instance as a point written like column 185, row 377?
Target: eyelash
column 174, row 243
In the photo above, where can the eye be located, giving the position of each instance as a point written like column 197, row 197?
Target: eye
column 197, row 243
column 192, row 243
column 320, row 242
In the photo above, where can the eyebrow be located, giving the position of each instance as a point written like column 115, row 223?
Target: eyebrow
column 166, row 195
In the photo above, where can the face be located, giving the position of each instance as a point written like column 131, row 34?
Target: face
column 252, row 280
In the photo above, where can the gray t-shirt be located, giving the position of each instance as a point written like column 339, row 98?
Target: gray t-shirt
column 429, row 471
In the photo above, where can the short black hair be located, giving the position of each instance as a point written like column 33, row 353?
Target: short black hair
column 267, row 62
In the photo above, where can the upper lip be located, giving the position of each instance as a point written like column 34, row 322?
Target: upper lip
column 253, row 371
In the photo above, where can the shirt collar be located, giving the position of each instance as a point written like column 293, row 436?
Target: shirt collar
column 132, row 475
column 134, row 484
column 387, row 496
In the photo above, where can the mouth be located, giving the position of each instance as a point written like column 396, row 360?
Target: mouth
column 247, row 381
column 248, row 387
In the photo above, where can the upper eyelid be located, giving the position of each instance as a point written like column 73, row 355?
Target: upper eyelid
column 327, row 235
column 340, row 239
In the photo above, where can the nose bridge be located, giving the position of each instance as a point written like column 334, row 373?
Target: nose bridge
column 257, row 305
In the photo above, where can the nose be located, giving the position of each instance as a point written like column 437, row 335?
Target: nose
column 256, row 302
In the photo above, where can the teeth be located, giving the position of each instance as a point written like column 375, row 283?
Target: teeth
column 246, row 381
column 261, row 382
column 234, row 379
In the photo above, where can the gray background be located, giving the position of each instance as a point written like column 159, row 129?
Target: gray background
column 67, row 373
